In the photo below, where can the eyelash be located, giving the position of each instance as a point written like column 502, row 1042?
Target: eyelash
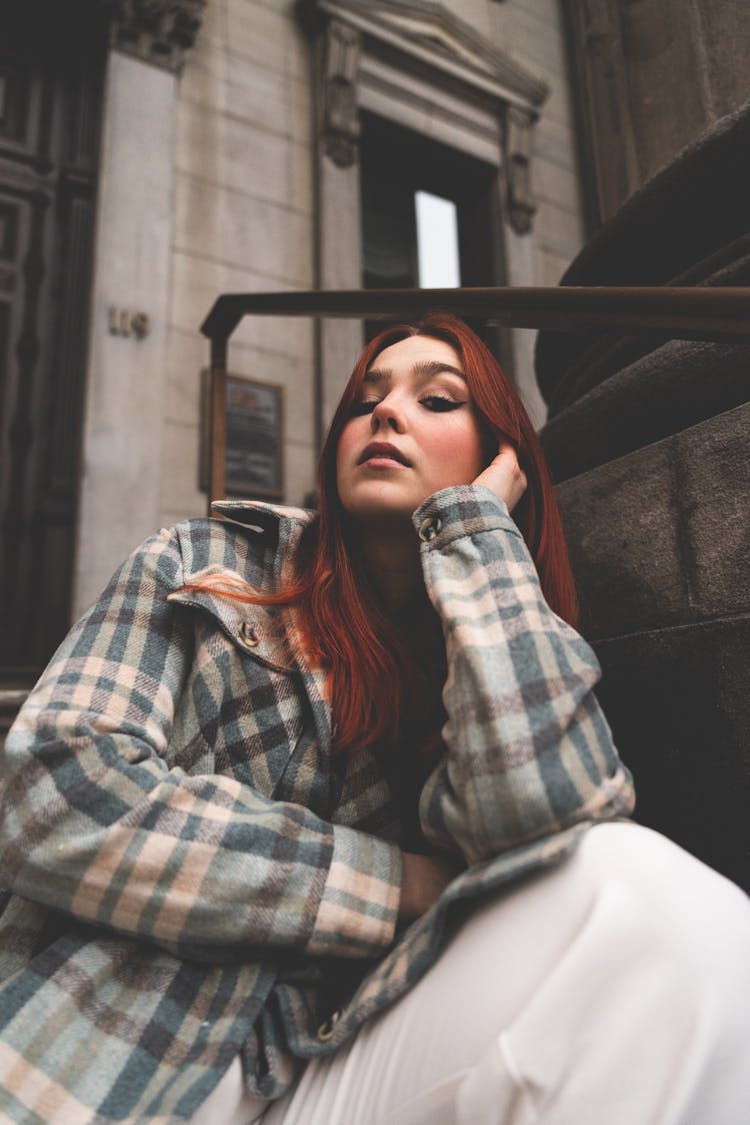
column 445, row 405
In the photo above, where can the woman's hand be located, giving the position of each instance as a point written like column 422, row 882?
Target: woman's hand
column 423, row 880
column 505, row 477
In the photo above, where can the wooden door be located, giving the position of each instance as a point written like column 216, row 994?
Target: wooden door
column 51, row 63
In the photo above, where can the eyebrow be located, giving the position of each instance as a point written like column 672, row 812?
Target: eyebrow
column 425, row 369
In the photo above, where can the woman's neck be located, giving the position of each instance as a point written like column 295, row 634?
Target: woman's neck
column 393, row 567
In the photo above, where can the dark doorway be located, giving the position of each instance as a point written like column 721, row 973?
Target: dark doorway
column 51, row 66
column 396, row 164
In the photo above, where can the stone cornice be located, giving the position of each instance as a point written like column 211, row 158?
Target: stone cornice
column 428, row 33
column 160, row 32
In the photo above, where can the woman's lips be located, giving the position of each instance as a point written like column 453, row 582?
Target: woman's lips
column 382, row 453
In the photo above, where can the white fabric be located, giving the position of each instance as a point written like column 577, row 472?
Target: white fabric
column 614, row 988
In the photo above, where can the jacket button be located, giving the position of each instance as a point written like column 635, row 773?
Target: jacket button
column 248, row 634
column 326, row 1029
column 429, row 528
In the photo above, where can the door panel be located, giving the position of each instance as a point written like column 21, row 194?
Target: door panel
column 51, row 65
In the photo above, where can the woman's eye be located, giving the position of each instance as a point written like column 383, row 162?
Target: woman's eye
column 365, row 407
column 440, row 404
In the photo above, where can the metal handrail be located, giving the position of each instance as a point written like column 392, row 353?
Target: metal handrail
column 695, row 312
column 718, row 312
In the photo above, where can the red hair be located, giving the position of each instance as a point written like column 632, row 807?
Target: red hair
column 370, row 667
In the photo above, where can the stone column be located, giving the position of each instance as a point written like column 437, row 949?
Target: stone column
column 121, row 455
column 651, row 76
column 518, row 207
column 339, row 237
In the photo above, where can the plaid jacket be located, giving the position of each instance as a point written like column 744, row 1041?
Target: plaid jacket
column 187, row 873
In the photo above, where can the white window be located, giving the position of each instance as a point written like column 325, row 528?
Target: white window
column 437, row 242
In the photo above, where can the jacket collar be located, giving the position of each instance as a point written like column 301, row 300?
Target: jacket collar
column 256, row 513
column 285, row 525
column 280, row 526
column 266, row 632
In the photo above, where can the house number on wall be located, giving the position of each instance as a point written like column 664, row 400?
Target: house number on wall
column 124, row 322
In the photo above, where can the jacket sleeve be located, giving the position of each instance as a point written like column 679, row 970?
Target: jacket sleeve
column 529, row 752
column 96, row 824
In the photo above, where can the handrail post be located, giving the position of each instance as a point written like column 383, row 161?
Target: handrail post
column 218, row 420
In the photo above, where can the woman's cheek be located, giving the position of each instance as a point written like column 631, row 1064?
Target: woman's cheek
column 458, row 452
column 346, row 451
column 345, row 443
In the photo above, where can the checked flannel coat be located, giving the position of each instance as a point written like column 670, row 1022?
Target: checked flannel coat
column 187, row 872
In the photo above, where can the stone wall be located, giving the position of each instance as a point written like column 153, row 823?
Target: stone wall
column 243, row 221
column 648, row 439
column 651, row 75
column 533, row 31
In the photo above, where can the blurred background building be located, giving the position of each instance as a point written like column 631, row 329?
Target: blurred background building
column 157, row 153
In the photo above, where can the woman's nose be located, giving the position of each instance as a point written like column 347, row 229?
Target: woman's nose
column 388, row 413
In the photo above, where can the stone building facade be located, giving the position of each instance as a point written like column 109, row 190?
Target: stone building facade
column 198, row 147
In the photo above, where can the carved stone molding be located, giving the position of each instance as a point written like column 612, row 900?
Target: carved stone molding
column 428, row 33
column 418, row 52
column 517, row 146
column 160, row 32
column 340, row 114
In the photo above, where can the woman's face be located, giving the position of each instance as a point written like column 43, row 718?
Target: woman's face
column 413, row 430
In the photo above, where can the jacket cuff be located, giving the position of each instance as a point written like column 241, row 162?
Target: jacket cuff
column 464, row 509
column 358, row 911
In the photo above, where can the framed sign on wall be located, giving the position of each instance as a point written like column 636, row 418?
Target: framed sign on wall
column 254, row 436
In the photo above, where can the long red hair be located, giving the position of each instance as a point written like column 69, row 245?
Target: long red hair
column 371, row 669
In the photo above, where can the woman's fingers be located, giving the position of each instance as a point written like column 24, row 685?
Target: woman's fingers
column 505, row 477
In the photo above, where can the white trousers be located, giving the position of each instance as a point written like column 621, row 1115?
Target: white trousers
column 613, row 989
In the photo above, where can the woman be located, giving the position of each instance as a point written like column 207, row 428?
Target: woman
column 297, row 823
